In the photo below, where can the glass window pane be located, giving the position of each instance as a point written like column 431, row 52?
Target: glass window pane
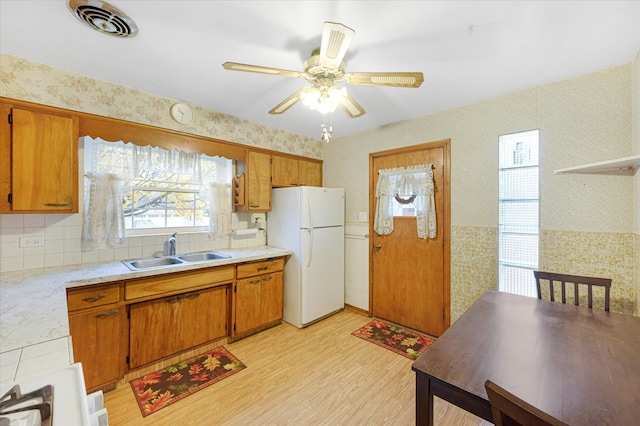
column 159, row 195
column 518, row 190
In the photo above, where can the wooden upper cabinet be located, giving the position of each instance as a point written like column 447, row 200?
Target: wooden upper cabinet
column 309, row 173
column 41, row 175
column 287, row 171
column 284, row 171
column 258, row 182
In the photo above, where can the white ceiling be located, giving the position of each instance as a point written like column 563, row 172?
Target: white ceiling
column 467, row 50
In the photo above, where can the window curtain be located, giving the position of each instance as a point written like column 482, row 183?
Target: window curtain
column 104, row 220
column 103, row 213
column 401, row 184
column 220, row 201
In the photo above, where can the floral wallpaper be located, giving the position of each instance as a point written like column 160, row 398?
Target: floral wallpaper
column 30, row 81
column 583, row 119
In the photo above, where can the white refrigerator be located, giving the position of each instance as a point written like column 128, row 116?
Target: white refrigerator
column 309, row 221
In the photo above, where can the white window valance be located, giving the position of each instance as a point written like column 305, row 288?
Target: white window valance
column 114, row 169
column 406, row 184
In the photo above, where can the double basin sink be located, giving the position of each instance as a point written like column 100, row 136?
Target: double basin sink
column 166, row 261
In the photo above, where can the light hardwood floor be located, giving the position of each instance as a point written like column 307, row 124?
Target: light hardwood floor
column 320, row 375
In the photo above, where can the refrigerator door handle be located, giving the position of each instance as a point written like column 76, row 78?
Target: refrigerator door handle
column 309, row 210
column 310, row 248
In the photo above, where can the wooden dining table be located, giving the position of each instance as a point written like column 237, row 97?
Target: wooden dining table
column 577, row 364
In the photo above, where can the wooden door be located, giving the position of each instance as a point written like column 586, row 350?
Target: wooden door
column 248, row 295
column 205, row 316
column 258, row 194
column 96, row 336
column 410, row 276
column 44, row 168
column 272, row 297
column 284, row 171
column 155, row 330
column 309, row 173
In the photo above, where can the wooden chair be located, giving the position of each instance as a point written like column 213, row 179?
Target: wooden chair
column 509, row 410
column 574, row 280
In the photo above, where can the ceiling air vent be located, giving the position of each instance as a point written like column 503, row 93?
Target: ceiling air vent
column 103, row 17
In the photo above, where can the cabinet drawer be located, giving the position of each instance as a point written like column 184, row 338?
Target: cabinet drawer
column 263, row 267
column 177, row 282
column 90, row 297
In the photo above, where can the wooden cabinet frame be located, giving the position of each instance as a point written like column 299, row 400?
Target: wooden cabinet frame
column 309, row 170
column 43, row 142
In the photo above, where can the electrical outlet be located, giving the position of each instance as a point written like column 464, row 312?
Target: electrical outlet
column 258, row 218
column 27, row 242
column 362, row 217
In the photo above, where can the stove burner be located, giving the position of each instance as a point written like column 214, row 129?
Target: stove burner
column 33, row 408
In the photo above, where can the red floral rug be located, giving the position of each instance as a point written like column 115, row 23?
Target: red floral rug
column 394, row 338
column 162, row 388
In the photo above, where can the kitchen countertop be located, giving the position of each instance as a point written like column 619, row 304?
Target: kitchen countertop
column 33, row 303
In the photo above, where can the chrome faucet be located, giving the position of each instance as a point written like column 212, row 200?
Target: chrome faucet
column 172, row 244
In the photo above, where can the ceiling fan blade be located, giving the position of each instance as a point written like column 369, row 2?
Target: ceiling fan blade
column 351, row 107
column 286, row 104
column 336, row 39
column 395, row 79
column 234, row 66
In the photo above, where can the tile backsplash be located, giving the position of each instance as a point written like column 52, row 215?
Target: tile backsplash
column 61, row 235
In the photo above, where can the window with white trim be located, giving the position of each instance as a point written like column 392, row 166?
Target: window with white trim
column 518, row 218
column 166, row 190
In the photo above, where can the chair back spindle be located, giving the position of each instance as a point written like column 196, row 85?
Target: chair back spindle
column 575, row 281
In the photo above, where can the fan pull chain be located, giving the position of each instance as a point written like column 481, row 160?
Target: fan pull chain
column 326, row 135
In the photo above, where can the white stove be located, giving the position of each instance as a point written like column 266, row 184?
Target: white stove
column 57, row 398
column 34, row 408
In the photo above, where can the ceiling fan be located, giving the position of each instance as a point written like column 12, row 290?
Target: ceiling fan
column 324, row 69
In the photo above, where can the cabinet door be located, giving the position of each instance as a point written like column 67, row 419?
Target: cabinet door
column 309, row 173
column 44, row 162
column 248, row 295
column 284, row 171
column 96, row 336
column 155, row 330
column 272, row 297
column 205, row 316
column 258, row 181
column 162, row 327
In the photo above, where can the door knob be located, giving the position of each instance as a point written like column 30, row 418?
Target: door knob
column 377, row 246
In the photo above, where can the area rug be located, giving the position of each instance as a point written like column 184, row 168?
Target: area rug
column 164, row 387
column 394, row 338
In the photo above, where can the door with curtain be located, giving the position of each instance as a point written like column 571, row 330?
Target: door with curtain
column 409, row 282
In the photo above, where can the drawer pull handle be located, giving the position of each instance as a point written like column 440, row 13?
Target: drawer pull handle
column 269, row 278
column 255, row 281
column 56, row 204
column 94, row 299
column 175, row 299
column 106, row 315
column 262, row 268
column 193, row 296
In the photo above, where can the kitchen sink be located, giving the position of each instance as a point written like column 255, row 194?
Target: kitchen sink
column 201, row 257
column 154, row 262
column 166, row 261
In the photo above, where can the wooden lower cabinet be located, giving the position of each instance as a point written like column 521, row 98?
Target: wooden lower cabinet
column 258, row 295
column 259, row 301
column 97, row 343
column 162, row 327
column 148, row 319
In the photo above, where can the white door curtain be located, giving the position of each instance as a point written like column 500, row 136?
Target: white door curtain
column 406, row 185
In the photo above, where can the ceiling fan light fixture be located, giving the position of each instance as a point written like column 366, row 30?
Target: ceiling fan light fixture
column 323, row 100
